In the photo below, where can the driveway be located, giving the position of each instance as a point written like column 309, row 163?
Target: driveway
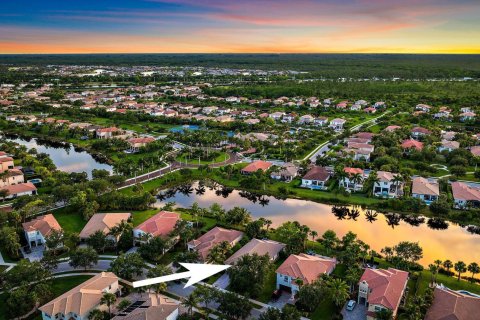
column 285, row 297
column 222, row 282
column 356, row 314
column 35, row 255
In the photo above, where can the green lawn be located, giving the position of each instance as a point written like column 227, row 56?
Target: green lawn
column 450, row 282
column 270, row 283
column 223, row 156
column 69, row 221
column 324, row 311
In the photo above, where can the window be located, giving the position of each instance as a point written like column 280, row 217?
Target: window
column 285, row 278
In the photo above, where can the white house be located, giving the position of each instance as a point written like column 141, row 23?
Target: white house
column 465, row 195
column 40, row 228
column 337, row 124
column 316, row 178
column 320, row 121
column 448, row 145
column 386, row 187
column 349, row 182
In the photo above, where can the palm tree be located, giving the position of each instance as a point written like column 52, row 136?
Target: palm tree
column 460, row 267
column 438, row 263
column 397, row 180
column 447, row 264
column 96, row 314
column 356, row 178
column 474, row 268
column 433, row 270
column 108, row 299
column 190, row 302
column 313, row 234
column 158, row 271
column 338, row 290
column 371, row 216
column 371, row 181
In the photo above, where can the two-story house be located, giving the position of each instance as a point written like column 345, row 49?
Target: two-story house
column 316, row 178
column 38, row 229
column 353, row 181
column 425, row 189
column 465, row 195
column 387, row 186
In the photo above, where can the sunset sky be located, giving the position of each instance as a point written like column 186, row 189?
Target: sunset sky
column 214, row 26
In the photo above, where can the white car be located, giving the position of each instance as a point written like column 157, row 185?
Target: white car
column 351, row 305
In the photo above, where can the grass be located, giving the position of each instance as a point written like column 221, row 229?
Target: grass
column 450, row 282
column 324, row 311
column 69, row 221
column 6, row 256
column 222, row 156
column 270, row 283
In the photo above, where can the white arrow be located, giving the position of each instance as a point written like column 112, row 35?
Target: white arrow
column 196, row 272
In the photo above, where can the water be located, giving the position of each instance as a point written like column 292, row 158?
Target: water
column 454, row 243
column 65, row 158
column 181, row 129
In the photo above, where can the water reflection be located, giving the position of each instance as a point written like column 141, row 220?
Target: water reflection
column 63, row 155
column 438, row 238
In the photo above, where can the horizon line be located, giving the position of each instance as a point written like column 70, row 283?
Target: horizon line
column 241, row 53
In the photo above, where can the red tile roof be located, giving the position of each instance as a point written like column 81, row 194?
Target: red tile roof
column 44, row 224
column 462, row 191
column 160, row 224
column 412, row 144
column 452, row 305
column 386, row 286
column 306, row 267
column 352, row 171
column 257, row 165
column 206, row 242
column 317, row 173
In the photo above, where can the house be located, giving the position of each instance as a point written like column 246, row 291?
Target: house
column 370, row 110
column 425, row 189
column 6, row 163
column 465, row 195
column 252, row 121
column 288, row 118
column 423, row 107
column 160, row 225
column 261, row 247
column 306, row 119
column 320, row 121
column 448, row 135
column 350, row 182
column 153, row 307
column 103, row 222
column 337, row 124
column 302, row 269
column 137, row 143
column 276, row 115
column 368, row 136
column 360, row 151
column 456, row 305
column 38, row 229
column 392, row 128
column 209, row 110
column 78, row 302
column 381, row 289
column 357, row 107
column 21, row 189
column 387, row 187
column 475, row 150
column 287, row 172
column 106, row 133
column 11, row 177
column 206, row 242
column 448, row 145
column 419, row 132
column 255, row 166
column 409, row 144
column 467, row 116
column 316, row 178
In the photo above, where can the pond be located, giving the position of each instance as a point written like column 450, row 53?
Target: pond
column 65, row 157
column 439, row 239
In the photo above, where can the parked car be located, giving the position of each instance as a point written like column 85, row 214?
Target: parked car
column 351, row 305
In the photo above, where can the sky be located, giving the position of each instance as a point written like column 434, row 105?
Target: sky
column 240, row 26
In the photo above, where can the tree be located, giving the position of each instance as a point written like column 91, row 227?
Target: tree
column 255, row 229
column 190, row 302
column 310, row 295
column 248, row 274
column 84, row 258
column 447, row 264
column 49, row 260
column 234, row 306
column 158, row 271
column 338, row 290
column 10, row 241
column 329, row 240
column 440, row 207
column 474, row 268
column 99, row 241
column 294, row 235
column 108, row 299
column 124, row 304
column 409, row 252
column 97, row 314
column 313, row 234
column 128, row 265
column 154, row 248
column 460, row 267
column 207, row 295
column 384, row 314
column 219, row 253
column 287, row 313
column 54, row 240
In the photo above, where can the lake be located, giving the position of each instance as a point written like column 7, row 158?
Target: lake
column 64, row 157
column 454, row 243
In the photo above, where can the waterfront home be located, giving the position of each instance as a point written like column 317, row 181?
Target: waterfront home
column 382, row 289
column 20, row 189
column 353, row 181
column 286, row 172
column 261, row 247
column 448, row 145
column 11, row 177
column 153, row 307
column 107, row 133
column 456, row 305
column 465, row 195
column 387, row 186
column 137, row 143
column 425, row 189
column 103, row 222
column 337, row 124
column 411, row 144
column 160, row 225
column 302, row 269
column 38, row 229
column 316, row 178
column 419, row 132
column 206, row 242
column 78, row 302
column 256, row 166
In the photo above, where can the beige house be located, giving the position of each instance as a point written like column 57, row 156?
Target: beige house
column 206, row 242
column 137, row 143
column 156, row 307
column 381, row 289
column 6, row 163
column 425, row 189
column 260, row 247
column 10, row 177
column 448, row 304
column 81, row 300
column 103, row 222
